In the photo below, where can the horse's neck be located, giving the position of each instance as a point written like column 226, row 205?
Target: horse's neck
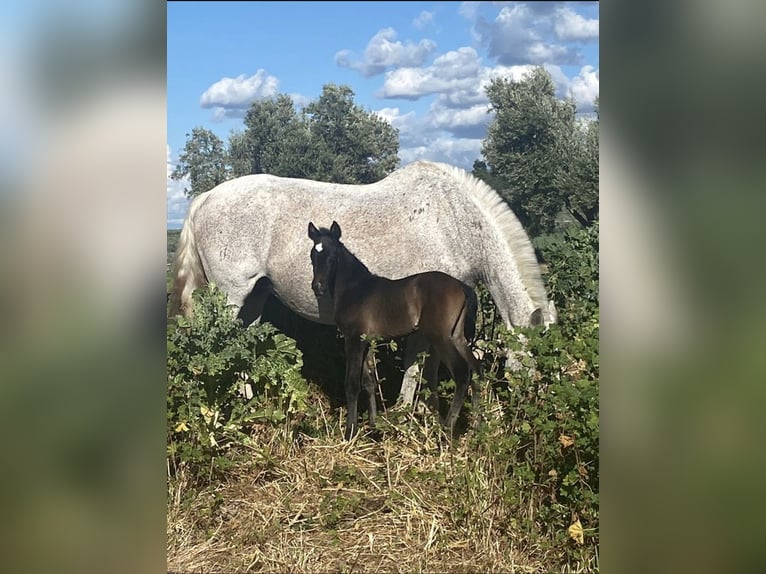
column 505, row 283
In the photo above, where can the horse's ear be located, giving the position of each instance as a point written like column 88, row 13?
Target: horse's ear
column 335, row 230
column 313, row 231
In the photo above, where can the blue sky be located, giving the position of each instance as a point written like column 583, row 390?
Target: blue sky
column 420, row 65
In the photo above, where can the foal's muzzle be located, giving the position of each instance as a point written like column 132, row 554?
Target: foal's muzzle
column 319, row 288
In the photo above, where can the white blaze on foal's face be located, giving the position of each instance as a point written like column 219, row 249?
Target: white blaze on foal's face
column 318, row 247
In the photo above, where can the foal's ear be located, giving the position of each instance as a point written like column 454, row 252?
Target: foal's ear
column 335, row 230
column 313, row 231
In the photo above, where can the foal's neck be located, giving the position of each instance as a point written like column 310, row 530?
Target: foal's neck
column 351, row 272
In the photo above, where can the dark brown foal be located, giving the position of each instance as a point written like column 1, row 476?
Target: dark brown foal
column 434, row 303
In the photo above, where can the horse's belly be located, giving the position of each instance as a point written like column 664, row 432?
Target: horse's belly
column 307, row 306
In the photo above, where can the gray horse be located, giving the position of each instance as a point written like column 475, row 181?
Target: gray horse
column 248, row 235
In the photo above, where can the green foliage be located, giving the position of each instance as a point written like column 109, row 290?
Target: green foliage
column 222, row 379
column 332, row 140
column 573, row 279
column 549, row 433
column 579, row 178
column 275, row 140
column 173, row 236
column 542, row 161
column 203, row 159
column 350, row 144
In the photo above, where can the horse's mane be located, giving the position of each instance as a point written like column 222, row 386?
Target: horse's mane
column 497, row 212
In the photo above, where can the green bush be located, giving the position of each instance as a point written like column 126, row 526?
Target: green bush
column 573, row 275
column 222, row 379
column 548, row 435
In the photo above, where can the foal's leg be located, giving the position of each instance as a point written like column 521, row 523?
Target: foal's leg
column 462, row 346
column 355, row 350
column 461, row 374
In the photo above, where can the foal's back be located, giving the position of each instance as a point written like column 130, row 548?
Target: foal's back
column 430, row 302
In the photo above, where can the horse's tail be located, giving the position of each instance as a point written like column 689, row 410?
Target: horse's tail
column 188, row 273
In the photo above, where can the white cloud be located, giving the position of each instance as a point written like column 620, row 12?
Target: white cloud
column 467, row 123
column 177, row 203
column 459, row 152
column 469, row 10
column 300, row 100
column 569, row 25
column 414, row 130
column 423, row 19
column 382, row 53
column 560, row 79
column 456, row 69
column 461, row 107
column 457, row 76
column 522, row 34
column 394, row 117
column 425, row 137
column 231, row 97
column 584, row 88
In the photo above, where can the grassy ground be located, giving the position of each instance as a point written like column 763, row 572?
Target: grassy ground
column 406, row 501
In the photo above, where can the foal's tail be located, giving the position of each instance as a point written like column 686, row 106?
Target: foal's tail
column 188, row 273
column 471, row 308
column 468, row 320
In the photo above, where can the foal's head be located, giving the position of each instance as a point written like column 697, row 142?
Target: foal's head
column 324, row 257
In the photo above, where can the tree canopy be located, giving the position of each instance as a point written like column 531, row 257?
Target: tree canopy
column 540, row 158
column 203, row 159
column 331, row 139
column 350, row 145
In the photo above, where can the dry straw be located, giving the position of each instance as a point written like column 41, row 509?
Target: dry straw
column 396, row 504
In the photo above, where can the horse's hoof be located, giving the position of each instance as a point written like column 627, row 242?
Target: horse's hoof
column 376, row 435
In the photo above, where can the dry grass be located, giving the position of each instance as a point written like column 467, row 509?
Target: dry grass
column 397, row 504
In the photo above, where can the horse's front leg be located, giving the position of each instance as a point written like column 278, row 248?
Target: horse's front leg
column 416, row 343
column 355, row 350
column 369, row 383
column 431, row 374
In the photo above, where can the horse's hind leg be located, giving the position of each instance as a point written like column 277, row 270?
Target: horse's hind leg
column 252, row 307
column 431, row 374
column 462, row 346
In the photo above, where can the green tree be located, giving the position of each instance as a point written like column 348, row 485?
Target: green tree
column 536, row 154
column 481, row 171
column 333, row 140
column 349, row 144
column 581, row 179
column 203, row 159
column 240, row 154
column 272, row 142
